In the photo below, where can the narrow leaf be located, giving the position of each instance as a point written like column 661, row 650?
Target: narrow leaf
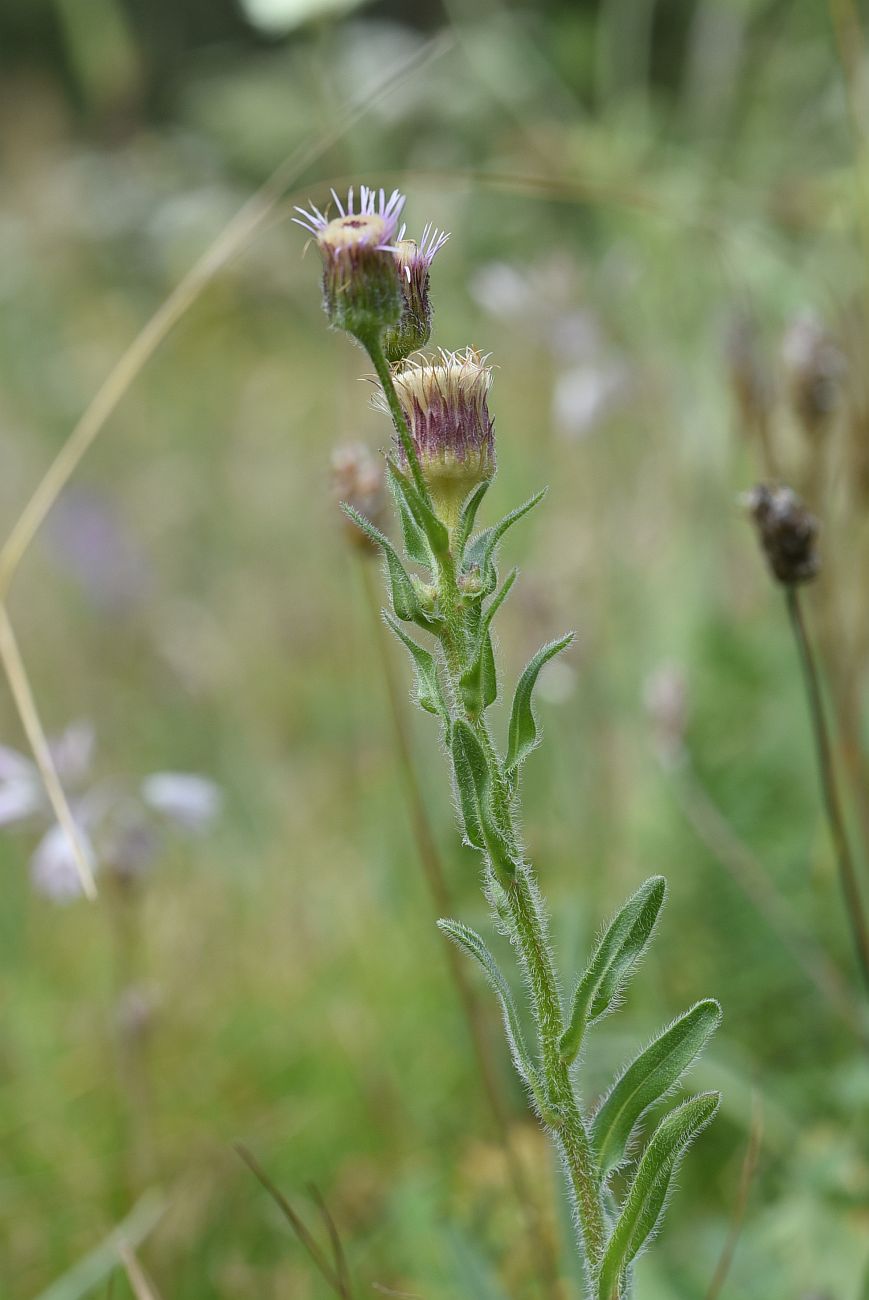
column 649, row 1078
column 429, row 692
column 613, row 961
column 472, row 943
column 405, row 601
column 479, row 681
column 522, row 736
column 646, row 1198
column 474, row 781
column 469, row 514
column 435, row 531
column 412, row 535
column 482, row 549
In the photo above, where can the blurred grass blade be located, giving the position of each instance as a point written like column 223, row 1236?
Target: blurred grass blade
column 142, row 1288
column 646, row 1197
column 613, row 961
column 102, row 1262
column 523, row 735
column 649, row 1078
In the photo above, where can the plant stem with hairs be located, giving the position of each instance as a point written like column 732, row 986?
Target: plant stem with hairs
column 433, row 869
column 440, row 466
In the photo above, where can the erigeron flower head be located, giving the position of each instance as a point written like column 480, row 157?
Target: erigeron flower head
column 361, row 283
column 444, row 399
column 414, row 265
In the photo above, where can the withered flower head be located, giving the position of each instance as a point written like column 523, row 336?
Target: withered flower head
column 444, row 399
column 414, row 265
column 361, row 284
column 788, row 533
column 814, row 364
column 357, row 478
column 749, row 380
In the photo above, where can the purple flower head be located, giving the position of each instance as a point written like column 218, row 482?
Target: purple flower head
column 444, row 399
column 361, row 286
column 414, row 265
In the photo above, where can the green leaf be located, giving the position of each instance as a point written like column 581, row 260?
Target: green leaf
column 646, row 1197
column 484, row 545
column 468, row 515
column 472, row 943
column 479, row 681
column 522, row 736
column 474, row 784
column 649, row 1078
column 405, row 601
column 412, row 535
column 613, row 961
column 426, row 520
column 429, row 692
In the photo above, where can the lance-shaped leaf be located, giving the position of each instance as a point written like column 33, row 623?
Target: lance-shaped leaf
column 412, row 535
column 474, row 784
column 471, row 942
column 613, row 962
column 405, row 601
column 646, row 1198
column 468, row 515
column 522, row 736
column 484, row 545
column 429, row 692
column 479, row 681
column 647, row 1079
column 424, row 517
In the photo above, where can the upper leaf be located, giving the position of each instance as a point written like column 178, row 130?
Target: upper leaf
column 469, row 514
column 429, row 692
column 613, row 961
column 646, row 1197
column 482, row 549
column 405, row 601
column 474, row 783
column 647, row 1079
column 522, row 736
column 426, row 520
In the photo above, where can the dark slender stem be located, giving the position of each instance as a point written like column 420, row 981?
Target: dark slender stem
column 433, row 869
column 829, row 786
column 749, row 1165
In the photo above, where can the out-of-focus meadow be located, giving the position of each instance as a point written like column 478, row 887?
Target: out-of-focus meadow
column 625, row 183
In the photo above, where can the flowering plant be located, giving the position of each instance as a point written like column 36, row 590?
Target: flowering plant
column 440, row 467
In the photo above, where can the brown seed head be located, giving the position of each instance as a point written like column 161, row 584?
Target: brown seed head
column 788, row 533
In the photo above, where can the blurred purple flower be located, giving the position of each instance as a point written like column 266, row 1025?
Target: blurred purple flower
column 122, row 829
column 89, row 540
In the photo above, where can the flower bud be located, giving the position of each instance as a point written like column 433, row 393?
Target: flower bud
column 815, row 367
column 788, row 533
column 444, row 403
column 357, row 478
column 361, row 283
column 414, row 265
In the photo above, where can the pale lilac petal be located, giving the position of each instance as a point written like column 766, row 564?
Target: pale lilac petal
column 73, row 752
column 53, row 868
column 190, row 800
column 20, row 799
column 15, row 766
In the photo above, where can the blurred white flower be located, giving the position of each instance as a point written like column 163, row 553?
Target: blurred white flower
column 120, row 829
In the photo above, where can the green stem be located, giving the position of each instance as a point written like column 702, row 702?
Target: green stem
column 529, row 931
column 373, row 346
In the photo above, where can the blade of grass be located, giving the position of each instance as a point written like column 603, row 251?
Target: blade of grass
column 143, row 1289
column 102, row 1262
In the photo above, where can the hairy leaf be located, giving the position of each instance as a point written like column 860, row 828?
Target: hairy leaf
column 646, row 1197
column 484, row 545
column 414, row 539
column 522, row 736
column 649, row 1078
column 468, row 515
column 472, row 943
column 474, row 782
column 429, row 692
column 405, row 601
column 613, row 961
column 426, row 520
column 479, row 681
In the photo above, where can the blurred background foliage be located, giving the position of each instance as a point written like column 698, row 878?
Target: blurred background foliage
column 623, row 180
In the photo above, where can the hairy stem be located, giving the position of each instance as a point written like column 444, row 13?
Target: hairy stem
column 373, row 346
column 829, row 786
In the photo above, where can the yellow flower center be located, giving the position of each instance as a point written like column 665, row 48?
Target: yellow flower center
column 352, row 231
